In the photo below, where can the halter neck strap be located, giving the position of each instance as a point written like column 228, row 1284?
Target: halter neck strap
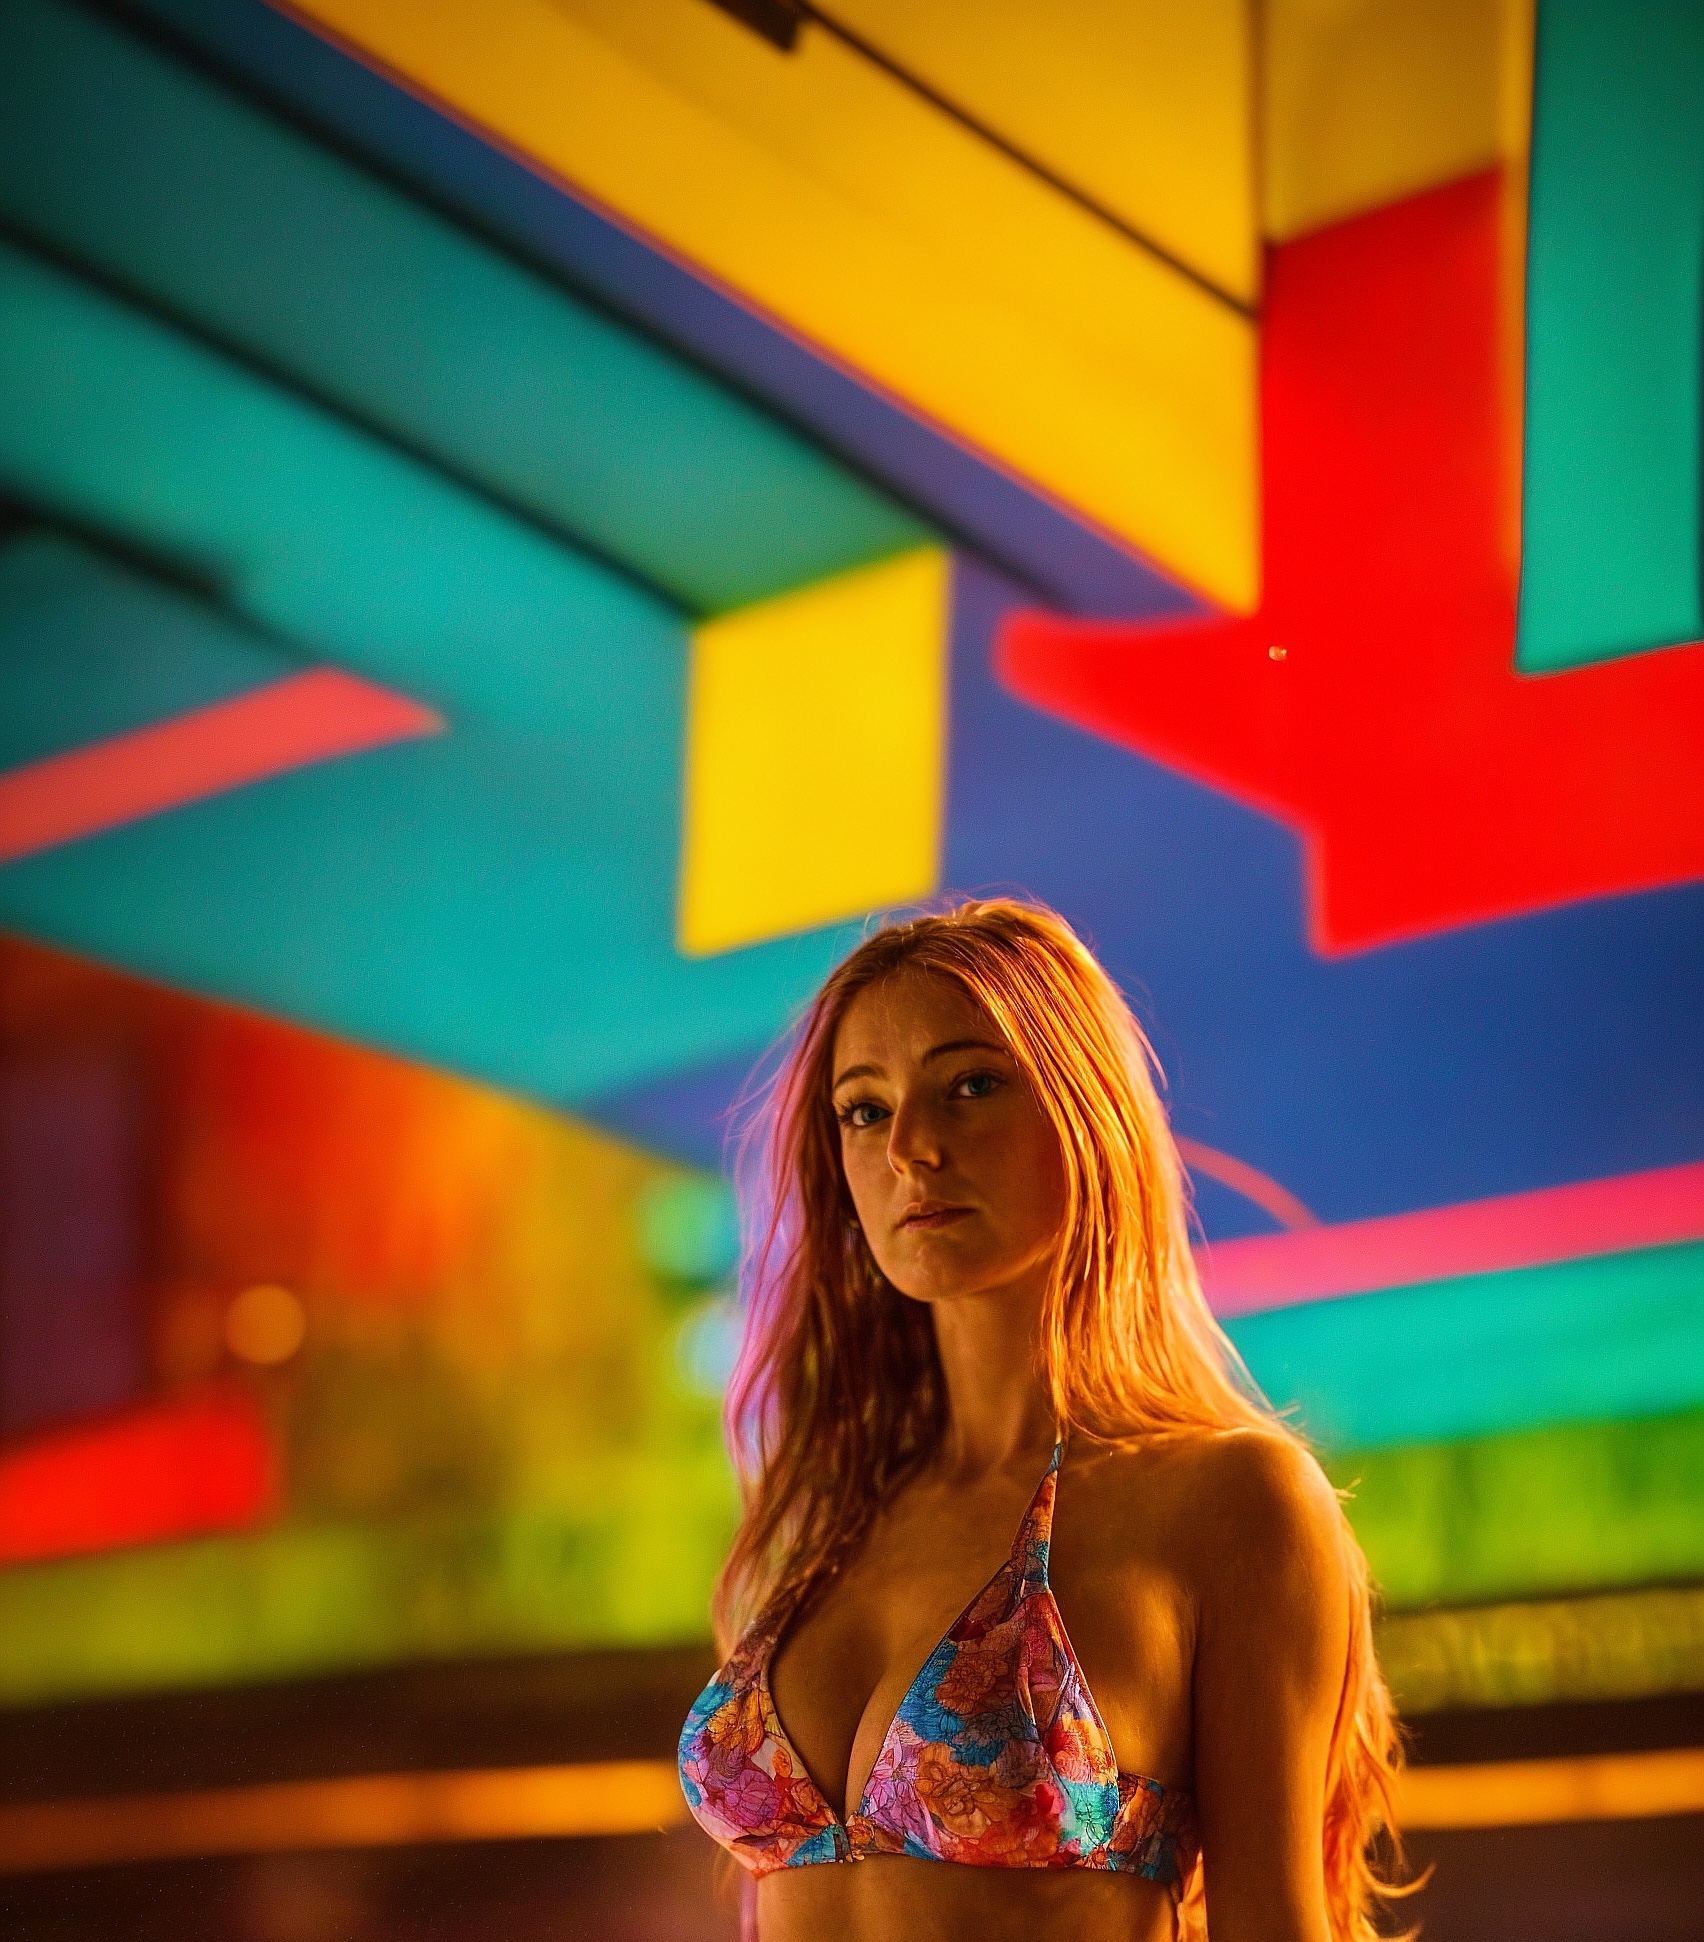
column 1035, row 1534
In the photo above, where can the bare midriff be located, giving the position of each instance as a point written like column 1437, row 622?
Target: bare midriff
column 932, row 1901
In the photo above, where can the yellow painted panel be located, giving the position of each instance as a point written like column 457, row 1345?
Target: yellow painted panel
column 1613, row 1645
column 1145, row 106
column 1366, row 101
column 836, row 198
column 815, row 749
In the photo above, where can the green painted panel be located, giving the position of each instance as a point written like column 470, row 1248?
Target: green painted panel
column 634, row 1571
column 1615, row 333
column 1581, row 1341
column 1560, row 1510
column 190, row 194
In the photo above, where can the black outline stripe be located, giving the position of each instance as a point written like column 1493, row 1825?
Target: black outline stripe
column 1025, row 160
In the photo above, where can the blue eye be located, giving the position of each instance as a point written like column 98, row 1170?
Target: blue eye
column 978, row 1085
column 860, row 1114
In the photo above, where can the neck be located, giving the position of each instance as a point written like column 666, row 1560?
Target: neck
column 999, row 1414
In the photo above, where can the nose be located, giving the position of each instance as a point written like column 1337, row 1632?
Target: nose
column 914, row 1139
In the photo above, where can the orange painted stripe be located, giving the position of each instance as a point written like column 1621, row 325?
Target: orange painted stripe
column 644, row 1797
column 1530, row 1793
column 304, row 718
column 366, row 1811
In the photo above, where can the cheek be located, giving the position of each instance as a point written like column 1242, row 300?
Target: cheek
column 867, row 1172
column 1031, row 1181
column 870, row 1182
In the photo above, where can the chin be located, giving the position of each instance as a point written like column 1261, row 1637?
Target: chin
column 942, row 1290
column 925, row 1286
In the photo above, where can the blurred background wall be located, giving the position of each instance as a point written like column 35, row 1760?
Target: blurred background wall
column 522, row 528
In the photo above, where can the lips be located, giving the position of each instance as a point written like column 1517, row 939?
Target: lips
column 929, row 1215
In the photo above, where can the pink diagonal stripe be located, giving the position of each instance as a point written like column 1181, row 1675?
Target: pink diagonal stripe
column 1631, row 1210
column 1243, row 1179
column 285, row 725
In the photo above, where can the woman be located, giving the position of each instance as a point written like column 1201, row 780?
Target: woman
column 1035, row 1585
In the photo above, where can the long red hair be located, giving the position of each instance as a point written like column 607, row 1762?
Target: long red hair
column 838, row 1395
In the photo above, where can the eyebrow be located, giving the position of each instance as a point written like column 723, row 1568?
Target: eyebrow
column 966, row 1045
column 934, row 1052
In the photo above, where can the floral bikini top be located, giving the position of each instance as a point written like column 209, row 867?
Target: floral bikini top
column 997, row 1756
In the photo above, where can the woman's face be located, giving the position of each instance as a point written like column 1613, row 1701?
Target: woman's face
column 954, row 1170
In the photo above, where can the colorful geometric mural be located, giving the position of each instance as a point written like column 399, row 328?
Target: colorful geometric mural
column 410, row 1368
column 525, row 525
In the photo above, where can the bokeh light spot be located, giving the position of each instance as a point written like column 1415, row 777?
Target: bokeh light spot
column 265, row 1325
column 689, row 1228
column 708, row 1345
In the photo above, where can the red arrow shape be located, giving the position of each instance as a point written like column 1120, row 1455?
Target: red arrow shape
column 1431, row 783
column 308, row 717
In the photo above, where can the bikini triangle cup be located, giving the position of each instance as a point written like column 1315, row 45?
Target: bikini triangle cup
column 996, row 1757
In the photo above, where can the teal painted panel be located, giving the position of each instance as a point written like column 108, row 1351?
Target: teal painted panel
column 190, row 194
column 85, row 654
column 310, row 529
column 1621, row 1335
column 474, row 903
column 1610, row 533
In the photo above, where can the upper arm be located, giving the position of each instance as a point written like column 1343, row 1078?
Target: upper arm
column 1272, row 1596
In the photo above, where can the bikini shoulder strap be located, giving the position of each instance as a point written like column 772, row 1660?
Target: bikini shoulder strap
column 1035, row 1533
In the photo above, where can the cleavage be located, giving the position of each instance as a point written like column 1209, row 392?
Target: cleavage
column 842, row 1671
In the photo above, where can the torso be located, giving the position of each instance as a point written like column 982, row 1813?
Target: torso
column 1127, row 1536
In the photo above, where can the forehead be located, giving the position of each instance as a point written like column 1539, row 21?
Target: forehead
column 902, row 1016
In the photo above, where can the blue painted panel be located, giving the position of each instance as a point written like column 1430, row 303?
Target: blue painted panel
column 1562, row 1046
column 691, row 1115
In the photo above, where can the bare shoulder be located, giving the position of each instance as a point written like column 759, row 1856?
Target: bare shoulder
column 1239, row 1504
column 1248, row 1474
column 1268, row 1550
column 1260, row 1481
